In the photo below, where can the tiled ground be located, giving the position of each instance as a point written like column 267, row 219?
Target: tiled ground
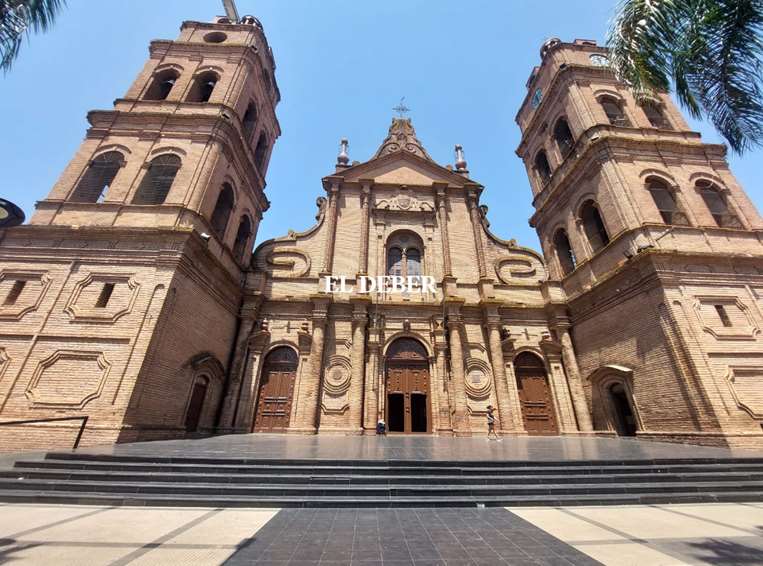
column 536, row 448
column 659, row 534
column 637, row 535
column 403, row 537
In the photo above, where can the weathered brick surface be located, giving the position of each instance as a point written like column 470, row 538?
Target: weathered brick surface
column 643, row 313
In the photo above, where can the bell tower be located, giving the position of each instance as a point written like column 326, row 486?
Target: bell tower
column 654, row 247
column 119, row 301
column 188, row 145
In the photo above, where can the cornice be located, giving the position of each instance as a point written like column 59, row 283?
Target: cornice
column 571, row 46
column 246, row 51
column 218, row 128
column 604, row 136
column 554, row 85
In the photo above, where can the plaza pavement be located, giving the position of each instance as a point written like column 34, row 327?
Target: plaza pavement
column 633, row 535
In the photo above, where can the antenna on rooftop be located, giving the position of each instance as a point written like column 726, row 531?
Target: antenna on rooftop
column 231, row 11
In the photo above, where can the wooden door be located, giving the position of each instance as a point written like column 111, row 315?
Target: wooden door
column 276, row 391
column 535, row 395
column 407, row 387
column 195, row 406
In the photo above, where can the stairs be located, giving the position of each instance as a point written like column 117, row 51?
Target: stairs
column 211, row 482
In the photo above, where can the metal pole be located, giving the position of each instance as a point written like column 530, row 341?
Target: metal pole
column 231, row 11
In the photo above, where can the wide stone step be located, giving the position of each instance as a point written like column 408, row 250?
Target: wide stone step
column 370, row 462
column 362, row 491
column 131, row 499
column 340, row 479
column 488, row 468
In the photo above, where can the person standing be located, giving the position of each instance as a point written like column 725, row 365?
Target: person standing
column 491, row 434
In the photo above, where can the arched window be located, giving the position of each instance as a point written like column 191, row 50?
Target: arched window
column 395, row 261
column 613, row 108
column 404, row 251
column 656, row 115
column 594, row 225
column 413, row 262
column 259, row 152
column 242, row 238
column 158, row 180
column 98, row 177
column 564, row 252
column 223, row 209
column 542, row 168
column 665, row 201
column 716, row 203
column 250, row 120
column 563, row 137
column 203, row 87
column 162, row 85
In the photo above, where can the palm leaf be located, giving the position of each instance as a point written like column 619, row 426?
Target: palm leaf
column 711, row 51
column 17, row 17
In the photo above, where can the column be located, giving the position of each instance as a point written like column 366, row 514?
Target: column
column 357, row 357
column 372, row 386
column 460, row 424
column 441, row 383
column 365, row 197
column 509, row 407
column 477, row 231
column 310, row 391
column 579, row 401
column 442, row 220
column 236, row 373
column 328, row 253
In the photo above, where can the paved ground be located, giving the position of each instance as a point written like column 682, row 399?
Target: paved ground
column 638, row 535
column 658, row 534
column 417, row 448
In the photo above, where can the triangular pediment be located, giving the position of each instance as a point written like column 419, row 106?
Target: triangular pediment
column 403, row 168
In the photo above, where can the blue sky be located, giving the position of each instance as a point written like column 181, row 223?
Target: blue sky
column 342, row 66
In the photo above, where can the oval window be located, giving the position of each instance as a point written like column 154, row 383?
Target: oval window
column 215, row 37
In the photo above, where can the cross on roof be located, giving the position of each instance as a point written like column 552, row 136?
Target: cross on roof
column 401, row 108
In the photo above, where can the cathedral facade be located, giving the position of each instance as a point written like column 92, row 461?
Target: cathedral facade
column 134, row 308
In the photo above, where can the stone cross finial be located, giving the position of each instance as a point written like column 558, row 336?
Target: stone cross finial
column 401, row 108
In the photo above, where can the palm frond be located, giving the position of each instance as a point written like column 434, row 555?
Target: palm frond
column 727, row 79
column 17, row 18
column 711, row 51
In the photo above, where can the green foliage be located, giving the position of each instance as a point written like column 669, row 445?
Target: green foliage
column 17, row 18
column 711, row 51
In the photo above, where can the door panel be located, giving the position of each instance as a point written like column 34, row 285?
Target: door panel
column 537, row 404
column 276, row 392
column 410, row 388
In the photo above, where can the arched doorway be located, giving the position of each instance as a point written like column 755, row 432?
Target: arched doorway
column 407, row 387
column 276, row 391
column 625, row 420
column 535, row 395
column 196, row 404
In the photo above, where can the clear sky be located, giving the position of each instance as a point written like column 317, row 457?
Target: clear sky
column 342, row 66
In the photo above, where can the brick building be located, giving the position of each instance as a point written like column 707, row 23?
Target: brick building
column 133, row 297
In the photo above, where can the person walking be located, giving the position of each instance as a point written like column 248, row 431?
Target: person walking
column 491, row 434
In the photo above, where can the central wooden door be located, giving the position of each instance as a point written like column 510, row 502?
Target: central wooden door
column 535, row 395
column 276, row 391
column 407, row 409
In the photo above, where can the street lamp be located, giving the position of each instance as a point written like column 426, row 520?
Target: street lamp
column 10, row 214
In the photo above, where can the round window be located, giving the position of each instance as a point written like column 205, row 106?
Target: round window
column 215, row 37
column 599, row 60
